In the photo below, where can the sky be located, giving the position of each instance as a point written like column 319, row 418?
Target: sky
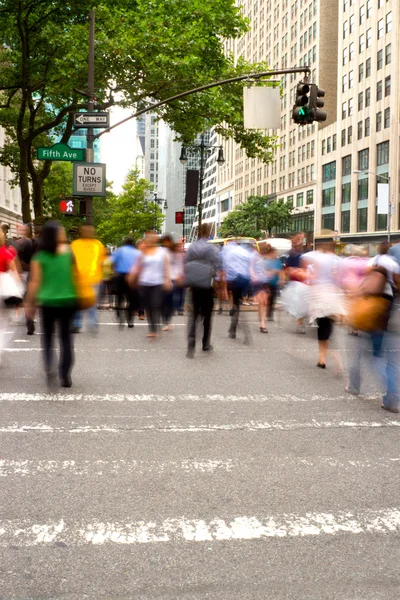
column 118, row 148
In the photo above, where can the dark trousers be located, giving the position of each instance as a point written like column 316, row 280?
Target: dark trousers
column 125, row 294
column 167, row 307
column 237, row 288
column 273, row 293
column 203, row 304
column 178, row 298
column 62, row 315
column 152, row 296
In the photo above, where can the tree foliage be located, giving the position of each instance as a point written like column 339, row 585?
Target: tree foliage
column 256, row 218
column 130, row 213
column 146, row 51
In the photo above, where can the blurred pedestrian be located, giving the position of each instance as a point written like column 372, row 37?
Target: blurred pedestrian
column 325, row 299
column 25, row 250
column 178, row 277
column 9, row 296
column 236, row 275
column 352, row 272
column 259, row 282
column 52, row 286
column 152, row 274
column 124, row 259
column 276, row 278
column 89, row 255
column 167, row 306
column 105, row 295
column 202, row 261
column 140, row 310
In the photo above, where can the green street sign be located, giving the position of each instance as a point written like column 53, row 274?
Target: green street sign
column 61, row 152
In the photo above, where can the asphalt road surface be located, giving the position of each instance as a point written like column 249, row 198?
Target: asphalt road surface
column 246, row 473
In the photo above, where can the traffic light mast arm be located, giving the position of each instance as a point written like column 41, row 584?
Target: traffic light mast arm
column 305, row 70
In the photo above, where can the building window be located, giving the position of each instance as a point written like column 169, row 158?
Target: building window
column 345, row 29
column 363, row 189
column 382, row 155
column 344, row 83
column 378, row 121
column 328, row 197
column 345, row 56
column 362, row 218
column 388, row 54
column 310, row 196
column 369, row 8
column 361, row 43
column 329, row 171
column 362, row 14
column 387, row 118
column 349, row 134
column 299, row 199
column 346, row 193
column 360, row 100
column 329, row 145
column 389, row 22
column 328, row 221
column 361, row 72
column 367, row 127
column 379, row 91
column 346, row 165
column 380, row 29
column 380, row 221
column 351, row 79
column 367, row 97
column 363, row 160
column 343, row 141
column 344, row 110
column 387, row 85
column 359, row 130
column 369, row 38
column 368, row 67
column 334, row 141
column 351, row 107
column 345, row 221
column 379, row 60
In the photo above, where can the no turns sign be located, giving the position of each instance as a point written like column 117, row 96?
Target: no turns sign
column 89, row 179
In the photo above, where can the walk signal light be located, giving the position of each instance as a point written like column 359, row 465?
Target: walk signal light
column 316, row 103
column 301, row 110
column 67, row 207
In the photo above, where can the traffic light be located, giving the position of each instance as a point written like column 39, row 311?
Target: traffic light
column 301, row 110
column 67, row 207
column 316, row 103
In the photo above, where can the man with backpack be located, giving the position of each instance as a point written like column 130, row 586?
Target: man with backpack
column 202, row 262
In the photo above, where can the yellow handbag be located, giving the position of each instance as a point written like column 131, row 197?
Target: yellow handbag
column 369, row 313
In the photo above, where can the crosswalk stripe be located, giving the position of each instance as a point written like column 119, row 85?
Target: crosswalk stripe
column 207, row 398
column 181, row 428
column 62, row 532
column 32, row 468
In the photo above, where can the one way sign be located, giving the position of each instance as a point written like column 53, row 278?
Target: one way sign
column 91, row 119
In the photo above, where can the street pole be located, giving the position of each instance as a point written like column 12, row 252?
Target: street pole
column 202, row 148
column 90, row 106
column 155, row 210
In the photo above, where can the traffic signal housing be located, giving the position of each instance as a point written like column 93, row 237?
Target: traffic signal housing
column 301, row 110
column 317, row 103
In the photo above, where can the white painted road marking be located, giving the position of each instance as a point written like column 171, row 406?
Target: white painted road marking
column 207, row 398
column 32, row 468
column 199, row 428
column 25, row 534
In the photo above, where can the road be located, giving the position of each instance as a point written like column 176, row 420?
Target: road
column 246, row 473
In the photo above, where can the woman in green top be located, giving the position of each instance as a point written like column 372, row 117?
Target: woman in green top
column 52, row 286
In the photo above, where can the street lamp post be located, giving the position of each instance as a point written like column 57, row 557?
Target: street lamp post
column 389, row 214
column 205, row 150
column 158, row 202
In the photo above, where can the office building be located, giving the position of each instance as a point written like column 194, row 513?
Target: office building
column 10, row 197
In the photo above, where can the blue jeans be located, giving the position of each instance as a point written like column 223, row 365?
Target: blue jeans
column 91, row 312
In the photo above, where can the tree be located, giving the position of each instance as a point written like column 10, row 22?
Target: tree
column 130, row 213
column 256, row 217
column 146, row 51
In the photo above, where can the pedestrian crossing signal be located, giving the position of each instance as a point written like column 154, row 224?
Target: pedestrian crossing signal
column 67, row 207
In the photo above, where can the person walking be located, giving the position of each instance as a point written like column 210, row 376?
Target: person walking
column 25, row 250
column 202, row 262
column 124, row 259
column 89, row 256
column 274, row 267
column 7, row 266
column 177, row 277
column 236, row 275
column 152, row 274
column 167, row 306
column 259, row 282
column 52, row 286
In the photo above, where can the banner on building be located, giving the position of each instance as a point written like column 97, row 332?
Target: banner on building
column 192, row 187
column 262, row 107
column 383, row 198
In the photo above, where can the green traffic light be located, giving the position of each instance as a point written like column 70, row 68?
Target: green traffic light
column 304, row 112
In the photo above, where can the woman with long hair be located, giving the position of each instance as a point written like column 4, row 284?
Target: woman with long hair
column 52, row 286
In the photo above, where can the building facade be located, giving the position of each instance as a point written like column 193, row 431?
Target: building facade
column 10, row 197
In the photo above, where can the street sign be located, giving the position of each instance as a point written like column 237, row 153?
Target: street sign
column 61, row 152
column 91, row 119
column 89, row 179
column 179, row 217
column 67, row 206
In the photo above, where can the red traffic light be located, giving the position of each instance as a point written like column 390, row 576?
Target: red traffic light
column 67, row 207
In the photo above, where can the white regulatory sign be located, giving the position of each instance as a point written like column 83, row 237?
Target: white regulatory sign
column 89, row 179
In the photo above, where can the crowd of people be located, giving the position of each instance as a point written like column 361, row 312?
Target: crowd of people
column 152, row 277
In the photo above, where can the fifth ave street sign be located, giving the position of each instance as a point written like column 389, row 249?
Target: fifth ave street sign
column 91, row 119
column 89, row 179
